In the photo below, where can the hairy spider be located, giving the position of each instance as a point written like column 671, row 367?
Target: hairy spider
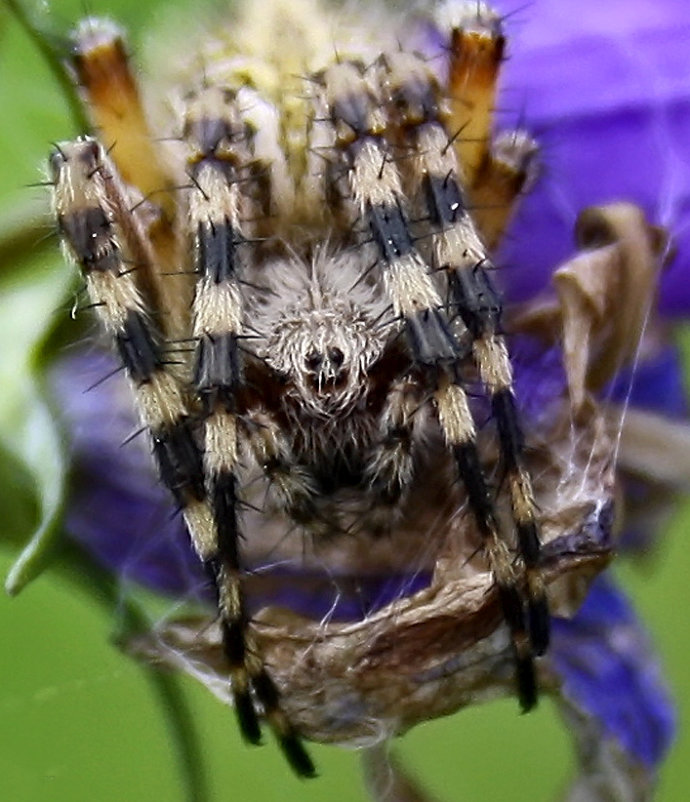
column 296, row 273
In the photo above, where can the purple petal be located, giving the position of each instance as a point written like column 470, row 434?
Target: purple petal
column 608, row 671
column 118, row 510
column 539, row 376
column 655, row 385
column 603, row 86
column 335, row 598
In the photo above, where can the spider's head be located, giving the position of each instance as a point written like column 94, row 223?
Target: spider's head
column 321, row 335
column 324, row 355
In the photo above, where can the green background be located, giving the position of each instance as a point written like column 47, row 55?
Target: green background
column 79, row 721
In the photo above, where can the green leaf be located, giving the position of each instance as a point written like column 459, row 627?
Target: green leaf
column 28, row 302
column 105, row 590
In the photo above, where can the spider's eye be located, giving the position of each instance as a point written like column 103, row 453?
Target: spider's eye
column 313, row 360
column 336, row 357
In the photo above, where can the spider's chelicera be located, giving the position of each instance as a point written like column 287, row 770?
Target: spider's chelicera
column 314, row 229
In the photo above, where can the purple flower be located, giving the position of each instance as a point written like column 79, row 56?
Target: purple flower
column 118, row 509
column 601, row 85
column 606, row 667
column 604, row 89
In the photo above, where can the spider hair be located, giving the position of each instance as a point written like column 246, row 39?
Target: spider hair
column 341, row 309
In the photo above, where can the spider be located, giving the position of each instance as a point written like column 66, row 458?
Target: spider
column 296, row 273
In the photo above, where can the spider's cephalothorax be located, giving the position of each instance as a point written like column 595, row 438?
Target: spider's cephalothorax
column 341, row 302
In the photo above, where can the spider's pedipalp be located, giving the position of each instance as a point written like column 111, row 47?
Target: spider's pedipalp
column 292, row 483
column 390, row 469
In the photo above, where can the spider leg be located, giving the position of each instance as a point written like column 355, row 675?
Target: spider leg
column 494, row 172
column 502, row 178
column 390, row 468
column 268, row 166
column 359, row 125
column 293, row 484
column 376, row 193
column 476, row 49
column 88, row 197
column 457, row 248
column 100, row 65
column 218, row 156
